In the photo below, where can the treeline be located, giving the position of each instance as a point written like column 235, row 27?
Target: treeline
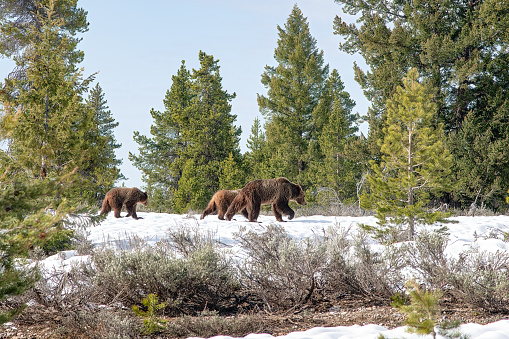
column 460, row 53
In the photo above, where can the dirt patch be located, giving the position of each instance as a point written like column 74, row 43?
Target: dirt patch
column 40, row 322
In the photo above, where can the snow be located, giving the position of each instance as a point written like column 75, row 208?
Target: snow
column 468, row 232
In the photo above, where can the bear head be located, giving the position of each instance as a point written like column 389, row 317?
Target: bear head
column 144, row 200
column 298, row 194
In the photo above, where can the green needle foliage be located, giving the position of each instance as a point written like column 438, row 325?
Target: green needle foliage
column 50, row 138
column 294, row 88
column 460, row 48
column 103, row 168
column 415, row 162
column 194, row 144
column 421, row 313
column 151, row 323
column 33, row 213
column 308, row 113
column 20, row 17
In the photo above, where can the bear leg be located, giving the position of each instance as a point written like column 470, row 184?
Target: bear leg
column 254, row 211
column 277, row 214
column 211, row 208
column 221, row 209
column 244, row 213
column 116, row 211
column 131, row 211
column 285, row 209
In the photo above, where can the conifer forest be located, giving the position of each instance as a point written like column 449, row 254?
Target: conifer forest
column 436, row 78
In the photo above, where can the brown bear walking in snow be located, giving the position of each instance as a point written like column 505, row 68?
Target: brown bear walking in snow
column 277, row 192
column 117, row 197
column 220, row 202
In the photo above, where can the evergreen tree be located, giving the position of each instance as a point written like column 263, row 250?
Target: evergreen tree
column 414, row 163
column 103, row 169
column 294, row 88
column 231, row 175
column 32, row 214
column 210, row 137
column 459, row 47
column 159, row 158
column 50, row 137
column 334, row 125
column 20, row 17
column 255, row 157
column 194, row 139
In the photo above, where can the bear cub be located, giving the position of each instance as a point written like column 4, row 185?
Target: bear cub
column 276, row 192
column 220, row 202
column 120, row 196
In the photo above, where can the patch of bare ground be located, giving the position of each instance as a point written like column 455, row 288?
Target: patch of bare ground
column 38, row 322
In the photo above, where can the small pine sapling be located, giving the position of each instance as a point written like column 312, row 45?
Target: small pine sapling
column 422, row 312
column 151, row 323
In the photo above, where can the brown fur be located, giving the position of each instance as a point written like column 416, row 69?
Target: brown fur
column 220, row 202
column 117, row 197
column 277, row 192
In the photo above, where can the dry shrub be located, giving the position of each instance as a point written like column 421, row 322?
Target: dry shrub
column 481, row 279
column 188, row 284
column 476, row 278
column 99, row 323
column 379, row 273
column 213, row 325
column 64, row 290
column 287, row 273
column 278, row 269
column 427, row 257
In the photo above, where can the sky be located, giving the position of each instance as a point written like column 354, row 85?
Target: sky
column 485, row 234
column 135, row 48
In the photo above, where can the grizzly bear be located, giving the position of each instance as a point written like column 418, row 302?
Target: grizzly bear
column 277, row 192
column 117, row 197
column 220, row 202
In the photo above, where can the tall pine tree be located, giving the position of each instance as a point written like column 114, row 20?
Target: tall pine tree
column 334, row 125
column 415, row 162
column 33, row 213
column 103, row 169
column 49, row 139
column 294, row 88
column 196, row 137
column 159, row 157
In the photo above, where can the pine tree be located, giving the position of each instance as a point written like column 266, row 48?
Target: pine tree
column 458, row 46
column 103, row 169
column 255, row 156
column 334, row 126
column 19, row 18
column 32, row 214
column 294, row 88
column 211, row 136
column 192, row 140
column 49, row 139
column 159, row 158
column 414, row 163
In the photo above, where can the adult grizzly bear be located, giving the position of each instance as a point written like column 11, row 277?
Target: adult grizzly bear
column 277, row 192
column 220, row 202
column 117, row 197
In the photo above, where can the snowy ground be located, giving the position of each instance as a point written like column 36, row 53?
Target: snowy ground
column 469, row 231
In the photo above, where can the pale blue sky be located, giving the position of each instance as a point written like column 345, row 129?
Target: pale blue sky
column 137, row 46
